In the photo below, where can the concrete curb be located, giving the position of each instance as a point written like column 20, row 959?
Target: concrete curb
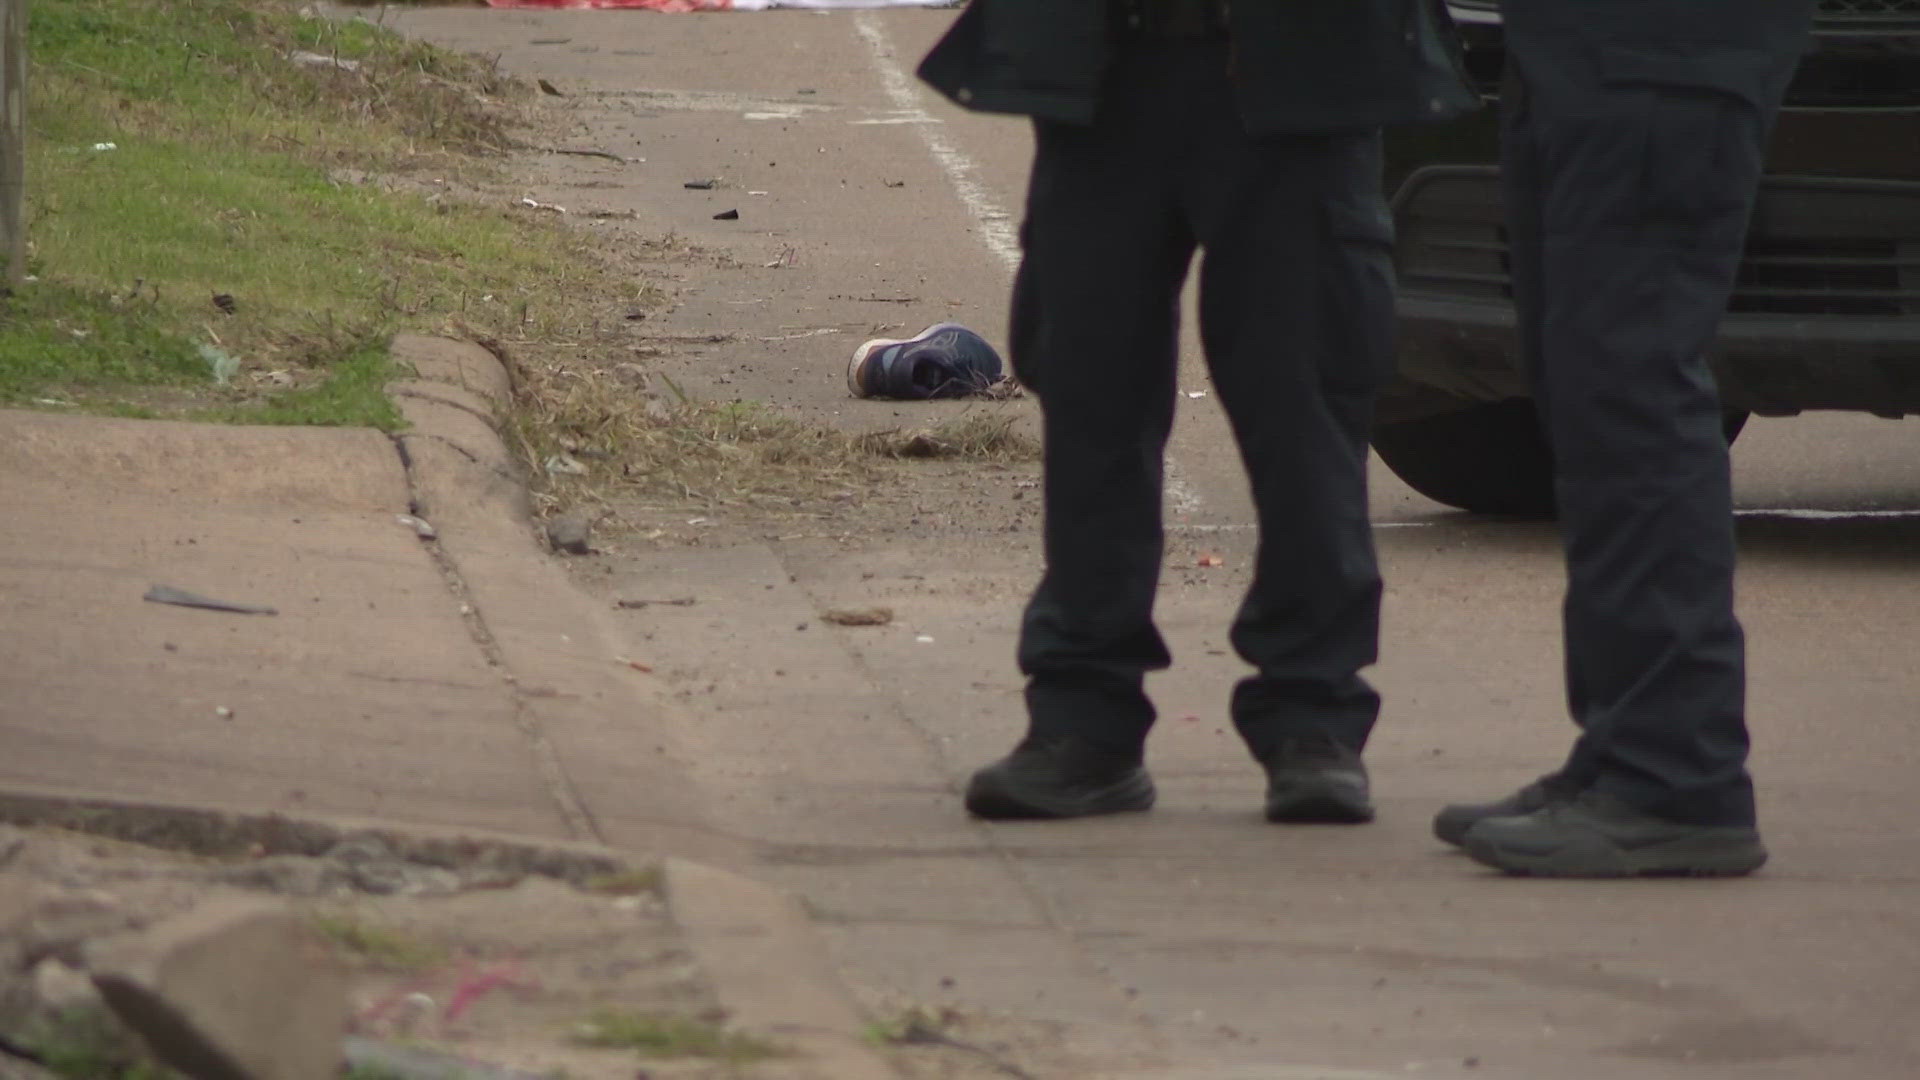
column 604, row 757
column 769, row 966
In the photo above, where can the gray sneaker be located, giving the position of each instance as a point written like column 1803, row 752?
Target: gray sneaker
column 1453, row 820
column 1594, row 835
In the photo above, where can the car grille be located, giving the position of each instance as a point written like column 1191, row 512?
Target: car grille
column 1816, row 247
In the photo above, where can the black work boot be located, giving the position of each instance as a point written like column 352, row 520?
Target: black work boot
column 1059, row 777
column 1594, row 835
column 1315, row 779
column 1454, row 819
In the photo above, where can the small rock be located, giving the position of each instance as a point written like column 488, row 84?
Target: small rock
column 233, row 989
column 876, row 616
column 60, row 986
column 58, row 923
column 564, row 465
column 12, row 842
column 570, row 533
column 632, row 374
column 288, row 875
column 421, row 526
column 361, row 847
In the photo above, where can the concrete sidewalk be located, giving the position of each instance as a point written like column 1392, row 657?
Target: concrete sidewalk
column 446, row 682
column 383, row 686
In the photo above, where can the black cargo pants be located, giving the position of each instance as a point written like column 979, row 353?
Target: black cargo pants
column 1295, row 314
column 1634, row 136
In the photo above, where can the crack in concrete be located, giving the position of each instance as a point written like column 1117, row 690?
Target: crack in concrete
column 579, row 821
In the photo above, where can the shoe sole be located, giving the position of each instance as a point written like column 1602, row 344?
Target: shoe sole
column 857, row 366
column 1727, row 853
column 1319, row 808
column 1132, row 794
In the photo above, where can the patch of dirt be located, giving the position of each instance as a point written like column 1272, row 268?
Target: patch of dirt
column 482, row 962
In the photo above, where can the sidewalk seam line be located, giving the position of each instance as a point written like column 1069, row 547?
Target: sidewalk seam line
column 579, row 822
column 1049, row 912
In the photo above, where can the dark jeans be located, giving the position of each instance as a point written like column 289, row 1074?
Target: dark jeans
column 1634, row 137
column 1295, row 319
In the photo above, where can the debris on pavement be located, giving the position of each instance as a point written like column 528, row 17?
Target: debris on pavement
column 548, row 88
column 534, row 204
column 420, row 526
column 313, row 59
column 246, row 961
column 727, row 215
column 401, row 1061
column 571, row 534
column 678, row 601
column 564, row 465
column 221, row 364
column 874, row 616
column 1209, row 559
column 609, row 155
column 946, row 360
column 701, row 185
column 167, row 594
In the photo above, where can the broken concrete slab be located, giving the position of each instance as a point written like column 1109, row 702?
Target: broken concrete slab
column 235, row 989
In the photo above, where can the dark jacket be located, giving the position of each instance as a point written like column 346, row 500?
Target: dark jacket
column 1302, row 66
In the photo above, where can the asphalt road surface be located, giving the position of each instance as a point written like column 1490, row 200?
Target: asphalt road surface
column 1196, row 941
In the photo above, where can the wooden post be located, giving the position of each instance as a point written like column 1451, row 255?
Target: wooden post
column 13, row 138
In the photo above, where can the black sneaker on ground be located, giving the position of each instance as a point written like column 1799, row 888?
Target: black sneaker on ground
column 1314, row 779
column 1059, row 777
column 1453, row 820
column 1594, row 835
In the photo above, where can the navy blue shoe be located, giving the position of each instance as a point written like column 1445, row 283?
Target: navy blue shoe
column 945, row 360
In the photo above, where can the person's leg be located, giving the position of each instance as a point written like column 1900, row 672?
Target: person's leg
column 1094, row 323
column 1296, row 309
column 1523, row 197
column 1648, row 125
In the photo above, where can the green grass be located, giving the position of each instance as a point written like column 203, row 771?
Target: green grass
column 631, row 882
column 84, row 1043
column 670, row 1036
column 224, row 178
column 378, row 945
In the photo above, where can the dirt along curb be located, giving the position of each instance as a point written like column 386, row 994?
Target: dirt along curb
column 738, row 958
column 762, row 954
column 754, row 947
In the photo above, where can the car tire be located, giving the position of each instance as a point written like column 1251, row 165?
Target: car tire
column 1487, row 458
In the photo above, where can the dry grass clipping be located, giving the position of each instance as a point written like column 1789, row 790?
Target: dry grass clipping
column 648, row 438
